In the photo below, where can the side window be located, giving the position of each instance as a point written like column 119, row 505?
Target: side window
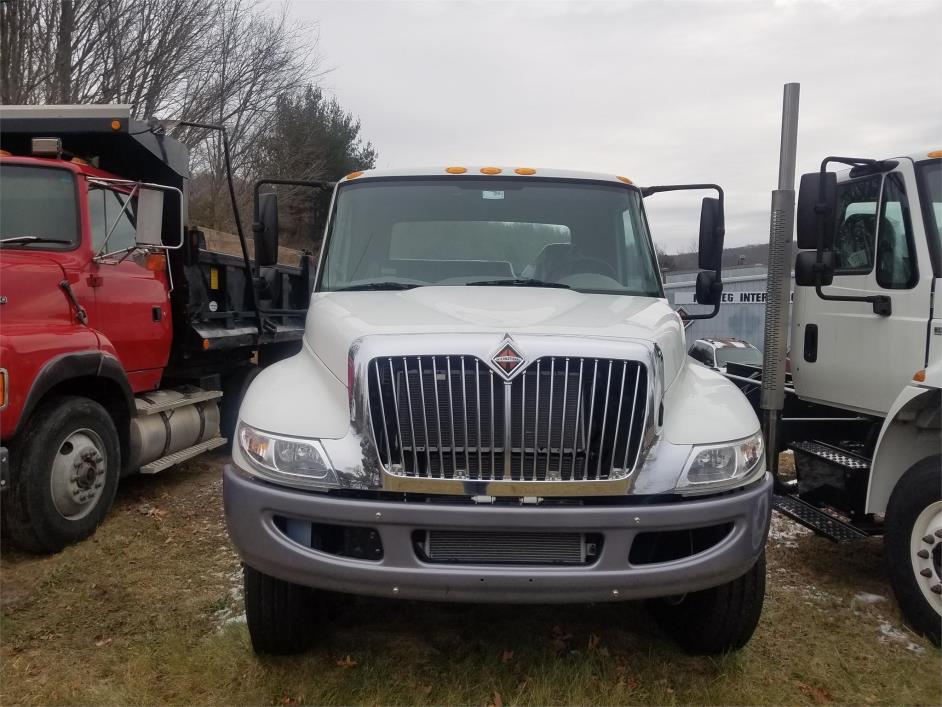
column 96, row 211
column 856, row 225
column 896, row 259
column 106, row 209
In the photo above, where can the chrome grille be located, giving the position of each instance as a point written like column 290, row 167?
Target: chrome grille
column 561, row 419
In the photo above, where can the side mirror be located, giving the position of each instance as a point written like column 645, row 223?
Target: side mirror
column 265, row 230
column 709, row 288
column 150, row 217
column 817, row 199
column 808, row 272
column 712, row 230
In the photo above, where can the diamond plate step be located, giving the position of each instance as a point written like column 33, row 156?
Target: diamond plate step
column 832, row 455
column 182, row 455
column 817, row 520
column 146, row 408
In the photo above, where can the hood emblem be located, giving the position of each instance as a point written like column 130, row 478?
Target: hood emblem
column 508, row 359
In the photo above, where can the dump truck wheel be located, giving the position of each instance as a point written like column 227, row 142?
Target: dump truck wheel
column 913, row 546
column 716, row 620
column 233, row 390
column 65, row 473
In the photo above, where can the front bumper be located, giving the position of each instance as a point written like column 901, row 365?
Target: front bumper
column 251, row 506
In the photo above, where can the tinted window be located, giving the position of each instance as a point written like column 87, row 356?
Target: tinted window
column 896, row 259
column 38, row 201
column 930, row 187
column 856, row 225
column 454, row 231
column 107, row 215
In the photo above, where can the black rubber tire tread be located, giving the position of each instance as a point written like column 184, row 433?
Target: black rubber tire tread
column 280, row 615
column 233, row 390
column 32, row 520
column 916, row 489
column 717, row 620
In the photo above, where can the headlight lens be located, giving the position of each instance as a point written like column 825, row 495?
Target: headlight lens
column 720, row 464
column 286, row 459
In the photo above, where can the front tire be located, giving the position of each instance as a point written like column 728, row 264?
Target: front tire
column 280, row 615
column 716, row 620
column 913, row 546
column 66, row 468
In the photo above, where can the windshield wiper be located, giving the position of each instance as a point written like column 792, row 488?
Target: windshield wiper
column 517, row 282
column 33, row 239
column 378, row 286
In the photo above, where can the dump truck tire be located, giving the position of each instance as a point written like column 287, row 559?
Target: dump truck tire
column 65, row 473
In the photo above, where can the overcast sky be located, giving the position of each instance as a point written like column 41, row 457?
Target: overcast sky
column 659, row 92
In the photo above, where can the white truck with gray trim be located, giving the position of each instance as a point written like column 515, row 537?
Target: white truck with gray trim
column 493, row 404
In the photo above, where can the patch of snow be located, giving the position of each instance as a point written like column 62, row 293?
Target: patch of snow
column 785, row 532
column 234, row 611
column 889, row 632
column 865, row 598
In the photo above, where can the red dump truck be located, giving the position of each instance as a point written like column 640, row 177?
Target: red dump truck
column 124, row 344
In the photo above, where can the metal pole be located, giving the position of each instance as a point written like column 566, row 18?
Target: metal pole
column 779, row 279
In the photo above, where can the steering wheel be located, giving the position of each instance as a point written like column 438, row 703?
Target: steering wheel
column 606, row 267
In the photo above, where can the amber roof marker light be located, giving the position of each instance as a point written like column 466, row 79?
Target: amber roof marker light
column 935, row 153
column 353, row 175
column 456, row 170
column 525, row 171
column 624, row 179
column 490, row 170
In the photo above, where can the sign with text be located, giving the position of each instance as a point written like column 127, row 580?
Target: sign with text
column 745, row 297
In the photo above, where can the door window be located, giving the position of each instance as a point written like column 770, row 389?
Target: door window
column 896, row 258
column 856, row 225
column 107, row 214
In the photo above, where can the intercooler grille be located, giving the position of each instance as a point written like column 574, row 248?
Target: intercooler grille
column 561, row 419
column 518, row 548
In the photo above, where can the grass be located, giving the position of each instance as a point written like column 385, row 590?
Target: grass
column 147, row 612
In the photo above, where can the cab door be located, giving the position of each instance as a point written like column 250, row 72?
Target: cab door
column 132, row 297
column 843, row 353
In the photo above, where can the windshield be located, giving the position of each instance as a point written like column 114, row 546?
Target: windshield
column 731, row 354
column 37, row 208
column 392, row 234
column 930, row 184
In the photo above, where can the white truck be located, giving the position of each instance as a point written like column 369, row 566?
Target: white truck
column 862, row 408
column 493, row 404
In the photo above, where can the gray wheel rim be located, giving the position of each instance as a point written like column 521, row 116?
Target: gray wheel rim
column 78, row 474
column 925, row 547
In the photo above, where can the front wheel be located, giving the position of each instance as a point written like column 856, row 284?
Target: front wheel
column 280, row 615
column 913, row 546
column 66, row 468
column 716, row 620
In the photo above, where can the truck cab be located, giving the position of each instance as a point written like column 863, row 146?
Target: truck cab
column 119, row 333
column 493, row 403
column 862, row 414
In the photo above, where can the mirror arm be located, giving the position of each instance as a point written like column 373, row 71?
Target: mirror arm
column 707, row 315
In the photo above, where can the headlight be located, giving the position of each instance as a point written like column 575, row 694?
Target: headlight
column 299, row 462
column 715, row 465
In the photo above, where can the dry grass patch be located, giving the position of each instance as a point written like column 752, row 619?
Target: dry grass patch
column 148, row 611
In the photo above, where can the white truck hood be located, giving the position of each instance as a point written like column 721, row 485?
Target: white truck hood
column 336, row 319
